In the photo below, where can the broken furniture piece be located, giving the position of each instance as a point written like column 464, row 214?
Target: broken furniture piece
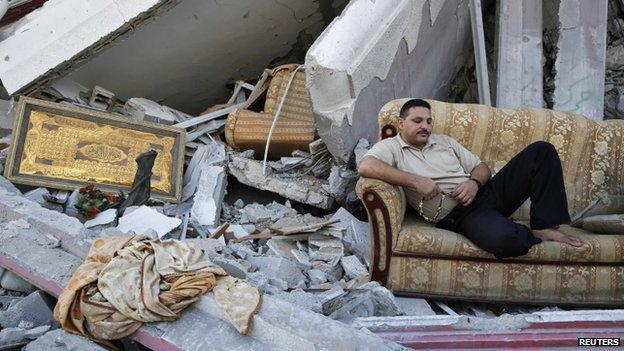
column 65, row 147
column 414, row 257
column 294, row 126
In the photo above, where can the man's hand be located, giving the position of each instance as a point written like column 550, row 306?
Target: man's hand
column 465, row 192
column 427, row 188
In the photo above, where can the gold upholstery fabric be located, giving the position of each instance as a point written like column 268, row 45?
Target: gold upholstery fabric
column 295, row 127
column 430, row 261
column 423, row 239
column 505, row 281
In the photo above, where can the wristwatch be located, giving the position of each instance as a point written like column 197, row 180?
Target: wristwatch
column 479, row 185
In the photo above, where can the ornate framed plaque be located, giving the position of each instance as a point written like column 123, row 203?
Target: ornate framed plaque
column 65, row 147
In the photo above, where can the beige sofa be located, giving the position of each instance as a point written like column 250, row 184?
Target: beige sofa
column 412, row 257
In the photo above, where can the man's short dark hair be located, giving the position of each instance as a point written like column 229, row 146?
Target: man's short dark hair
column 413, row 103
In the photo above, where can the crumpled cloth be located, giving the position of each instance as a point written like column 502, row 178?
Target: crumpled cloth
column 126, row 281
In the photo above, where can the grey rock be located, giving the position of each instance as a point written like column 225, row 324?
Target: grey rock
column 6, row 185
column 282, row 248
column 342, row 182
column 412, row 306
column 10, row 281
column 316, row 276
column 15, row 337
column 35, row 308
column 231, row 267
column 303, row 258
column 334, row 272
column 59, row 340
column 325, row 248
column 360, row 150
column 206, row 208
column 353, row 267
column 278, row 267
column 357, row 234
column 303, row 299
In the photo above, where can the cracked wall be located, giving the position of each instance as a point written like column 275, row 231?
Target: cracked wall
column 381, row 50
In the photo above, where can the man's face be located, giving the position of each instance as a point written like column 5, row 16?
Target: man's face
column 416, row 128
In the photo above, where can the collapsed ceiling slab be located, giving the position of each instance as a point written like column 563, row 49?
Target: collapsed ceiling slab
column 64, row 33
column 183, row 58
column 377, row 51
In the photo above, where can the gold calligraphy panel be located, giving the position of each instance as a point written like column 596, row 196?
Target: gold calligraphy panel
column 70, row 147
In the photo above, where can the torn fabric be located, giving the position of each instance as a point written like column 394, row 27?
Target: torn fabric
column 126, row 281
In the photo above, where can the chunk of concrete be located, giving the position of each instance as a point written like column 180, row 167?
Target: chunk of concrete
column 144, row 218
column 11, row 281
column 305, row 188
column 278, row 267
column 334, row 272
column 282, row 248
column 353, row 267
column 102, row 218
column 15, row 337
column 303, row 299
column 412, row 306
column 361, row 149
column 357, row 234
column 35, row 309
column 231, row 267
column 342, row 184
column 325, row 248
column 147, row 110
column 209, row 196
column 316, row 276
column 8, row 187
column 59, row 340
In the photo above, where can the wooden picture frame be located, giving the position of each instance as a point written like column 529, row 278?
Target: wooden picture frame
column 65, row 147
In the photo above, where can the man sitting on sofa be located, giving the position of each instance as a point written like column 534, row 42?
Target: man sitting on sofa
column 450, row 187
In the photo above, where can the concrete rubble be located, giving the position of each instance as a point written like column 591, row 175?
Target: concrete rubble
column 293, row 226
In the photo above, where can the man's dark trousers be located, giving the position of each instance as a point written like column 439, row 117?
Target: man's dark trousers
column 533, row 173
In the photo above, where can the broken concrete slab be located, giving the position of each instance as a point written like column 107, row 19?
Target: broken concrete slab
column 206, row 208
column 334, row 272
column 342, row 184
column 377, row 51
column 353, row 267
column 59, row 340
column 11, row 281
column 231, row 267
column 278, row 267
column 102, row 218
column 273, row 212
column 316, row 276
column 303, row 299
column 519, row 72
column 35, row 310
column 357, row 234
column 147, row 110
column 412, row 306
column 325, row 248
column 361, row 149
column 8, row 187
column 282, row 248
column 75, row 38
column 14, row 337
column 580, row 62
column 304, row 188
column 145, row 218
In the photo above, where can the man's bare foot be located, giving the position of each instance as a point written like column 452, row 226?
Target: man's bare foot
column 555, row 235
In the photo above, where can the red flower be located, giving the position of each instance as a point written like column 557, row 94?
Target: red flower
column 111, row 198
column 92, row 212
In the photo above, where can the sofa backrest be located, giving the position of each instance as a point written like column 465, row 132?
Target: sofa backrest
column 592, row 153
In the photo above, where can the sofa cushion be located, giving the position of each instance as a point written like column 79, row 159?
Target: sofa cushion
column 613, row 223
column 421, row 239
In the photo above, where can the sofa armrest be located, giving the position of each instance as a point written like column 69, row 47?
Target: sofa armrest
column 385, row 205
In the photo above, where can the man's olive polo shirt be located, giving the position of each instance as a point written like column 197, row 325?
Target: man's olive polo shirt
column 442, row 159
